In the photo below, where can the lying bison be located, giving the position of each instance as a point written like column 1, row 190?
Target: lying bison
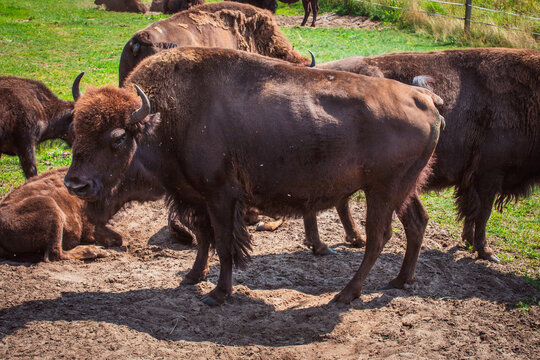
column 223, row 24
column 41, row 217
column 29, row 114
column 490, row 150
column 135, row 6
column 232, row 133
column 173, row 6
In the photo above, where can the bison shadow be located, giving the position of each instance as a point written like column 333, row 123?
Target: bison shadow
column 178, row 314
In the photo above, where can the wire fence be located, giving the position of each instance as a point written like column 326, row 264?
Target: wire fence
column 467, row 18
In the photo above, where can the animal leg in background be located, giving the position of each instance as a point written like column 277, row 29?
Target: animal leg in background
column 310, row 5
column 312, row 235
column 205, row 236
column 27, row 157
column 414, row 219
column 178, row 230
column 352, row 236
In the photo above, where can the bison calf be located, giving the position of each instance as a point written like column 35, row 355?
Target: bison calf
column 29, row 114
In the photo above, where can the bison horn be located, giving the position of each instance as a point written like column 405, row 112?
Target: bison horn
column 312, row 59
column 140, row 114
column 75, row 90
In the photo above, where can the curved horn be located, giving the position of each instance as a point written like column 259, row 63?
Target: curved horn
column 75, row 90
column 140, row 114
column 312, row 59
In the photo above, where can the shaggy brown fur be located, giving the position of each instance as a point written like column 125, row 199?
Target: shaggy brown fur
column 232, row 133
column 490, row 150
column 224, row 24
column 173, row 6
column 29, row 114
column 135, row 6
column 41, row 217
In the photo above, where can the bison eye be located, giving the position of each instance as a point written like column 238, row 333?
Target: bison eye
column 118, row 137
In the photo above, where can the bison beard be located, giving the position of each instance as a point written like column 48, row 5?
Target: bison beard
column 215, row 154
column 490, row 149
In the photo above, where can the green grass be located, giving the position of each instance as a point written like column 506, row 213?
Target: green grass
column 53, row 40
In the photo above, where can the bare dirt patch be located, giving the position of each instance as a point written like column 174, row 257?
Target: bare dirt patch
column 330, row 21
column 130, row 304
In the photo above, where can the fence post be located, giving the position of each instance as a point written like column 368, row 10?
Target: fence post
column 468, row 10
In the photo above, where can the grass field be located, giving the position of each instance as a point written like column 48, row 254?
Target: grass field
column 54, row 40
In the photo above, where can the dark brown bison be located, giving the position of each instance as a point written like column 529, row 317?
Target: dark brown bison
column 270, row 5
column 173, row 6
column 224, row 24
column 309, row 6
column 29, row 114
column 228, row 131
column 490, row 150
column 135, row 6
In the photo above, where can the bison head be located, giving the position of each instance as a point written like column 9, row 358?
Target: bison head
column 108, row 123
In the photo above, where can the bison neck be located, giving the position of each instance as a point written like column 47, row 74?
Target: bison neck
column 59, row 122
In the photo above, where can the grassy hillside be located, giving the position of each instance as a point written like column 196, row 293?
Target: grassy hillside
column 54, row 40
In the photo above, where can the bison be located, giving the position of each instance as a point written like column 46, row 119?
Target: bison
column 309, row 6
column 490, row 150
column 270, row 5
column 41, row 217
column 224, row 24
column 173, row 6
column 30, row 113
column 135, row 6
column 232, row 132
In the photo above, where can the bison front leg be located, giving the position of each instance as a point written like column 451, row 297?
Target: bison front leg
column 315, row 8
column 178, row 230
column 414, row 219
column 379, row 231
column 27, row 157
column 222, row 216
column 312, row 235
column 352, row 234
column 487, row 196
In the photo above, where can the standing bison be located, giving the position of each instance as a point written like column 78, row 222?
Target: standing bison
column 232, row 133
column 135, row 6
column 29, row 114
column 224, row 24
column 490, row 150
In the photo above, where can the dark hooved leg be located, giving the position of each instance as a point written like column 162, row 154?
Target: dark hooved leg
column 312, row 235
column 307, row 10
column 205, row 236
column 487, row 196
column 178, row 230
column 222, row 217
column 352, row 234
column 467, row 235
column 27, row 158
column 414, row 219
column 315, row 8
column 379, row 231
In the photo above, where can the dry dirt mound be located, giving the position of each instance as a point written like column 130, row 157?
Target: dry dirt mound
column 329, row 21
column 130, row 305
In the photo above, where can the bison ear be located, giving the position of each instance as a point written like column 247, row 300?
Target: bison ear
column 150, row 124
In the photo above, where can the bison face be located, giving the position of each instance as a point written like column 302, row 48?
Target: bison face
column 108, row 124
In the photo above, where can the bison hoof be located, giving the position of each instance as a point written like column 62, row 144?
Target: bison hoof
column 399, row 283
column 193, row 278
column 215, row 297
column 488, row 255
column 355, row 241
column 210, row 301
column 325, row 251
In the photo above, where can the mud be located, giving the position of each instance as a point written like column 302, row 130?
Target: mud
column 131, row 304
column 330, row 20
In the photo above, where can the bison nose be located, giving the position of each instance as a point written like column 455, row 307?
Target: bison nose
column 77, row 186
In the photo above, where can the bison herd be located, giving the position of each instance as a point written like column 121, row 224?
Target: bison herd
column 217, row 112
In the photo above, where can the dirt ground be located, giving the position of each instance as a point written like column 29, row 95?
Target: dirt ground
column 130, row 304
column 329, row 21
